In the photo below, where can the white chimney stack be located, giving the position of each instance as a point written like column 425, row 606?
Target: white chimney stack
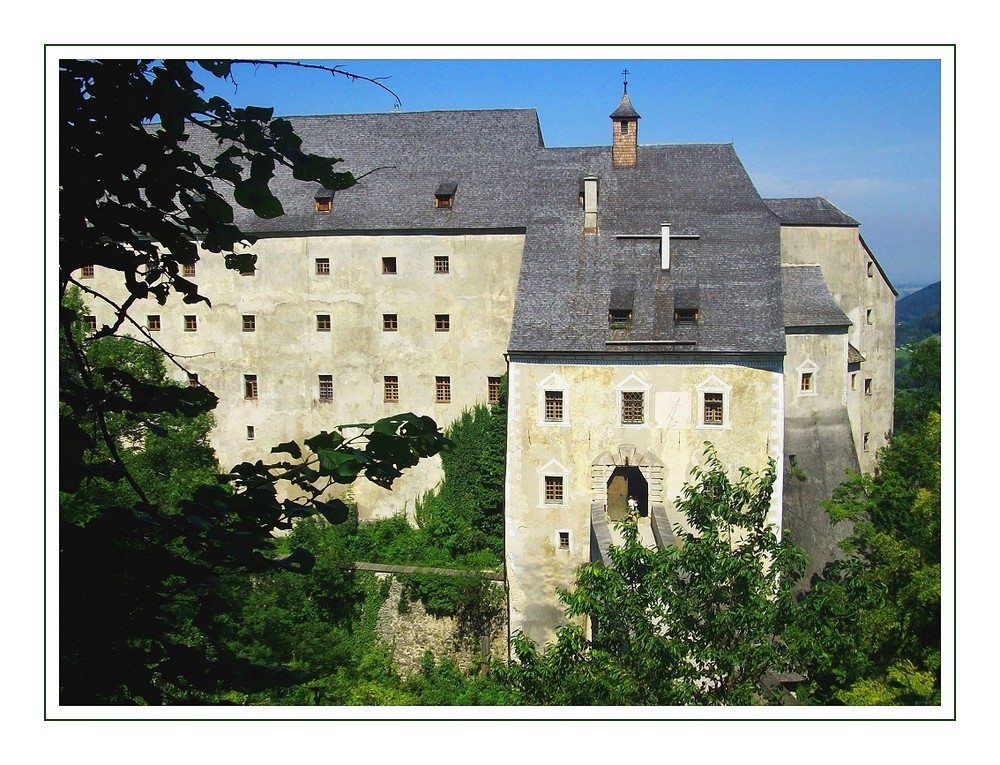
column 665, row 246
column 590, row 205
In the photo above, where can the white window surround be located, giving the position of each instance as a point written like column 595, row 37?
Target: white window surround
column 807, row 367
column 632, row 384
column 713, row 385
column 558, row 546
column 553, row 382
column 553, row 468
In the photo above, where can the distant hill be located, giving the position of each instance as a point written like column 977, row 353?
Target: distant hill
column 918, row 315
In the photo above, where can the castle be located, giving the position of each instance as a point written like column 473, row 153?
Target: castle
column 640, row 299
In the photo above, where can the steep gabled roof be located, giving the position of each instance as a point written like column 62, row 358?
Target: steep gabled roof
column 809, row 211
column 402, row 159
column 725, row 255
column 807, row 300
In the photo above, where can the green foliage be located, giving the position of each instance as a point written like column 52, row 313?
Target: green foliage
column 918, row 385
column 869, row 630
column 148, row 541
column 697, row 624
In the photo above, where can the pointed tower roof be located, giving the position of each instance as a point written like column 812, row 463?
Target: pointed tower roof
column 625, row 109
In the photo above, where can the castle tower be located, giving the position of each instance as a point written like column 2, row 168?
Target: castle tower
column 625, row 120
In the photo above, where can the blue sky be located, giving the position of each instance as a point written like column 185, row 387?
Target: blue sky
column 865, row 134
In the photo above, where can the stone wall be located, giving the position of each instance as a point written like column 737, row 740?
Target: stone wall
column 412, row 633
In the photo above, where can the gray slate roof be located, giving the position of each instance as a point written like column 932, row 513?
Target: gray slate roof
column 807, row 300
column 809, row 211
column 405, row 158
column 730, row 268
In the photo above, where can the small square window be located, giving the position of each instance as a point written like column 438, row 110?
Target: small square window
column 249, row 322
column 553, row 489
column 326, row 387
column 251, row 433
column 633, row 407
column 686, row 315
column 442, row 322
column 323, row 323
column 87, row 272
column 713, row 412
column 806, row 382
column 193, row 381
column 441, row 264
column 324, row 204
column 322, row 266
column 619, row 319
column 250, row 387
column 390, row 322
column 563, row 540
column 388, row 265
column 442, row 390
column 153, row 322
column 190, row 323
column 553, row 406
column 493, row 390
column 390, row 387
column 90, row 323
column 188, row 270
column 868, row 386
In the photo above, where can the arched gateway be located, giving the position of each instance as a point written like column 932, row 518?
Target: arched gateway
column 618, row 473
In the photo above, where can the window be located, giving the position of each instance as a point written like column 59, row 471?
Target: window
column 87, row 272
column 250, row 270
column 868, row 316
column 153, row 322
column 324, row 201
column 250, row 387
column 442, row 322
column 865, row 440
column 633, row 407
column 249, row 322
column 444, row 197
column 91, row 323
column 322, row 266
column 441, row 264
column 442, row 390
column 326, row 387
column 553, row 489
column 868, row 386
column 553, row 406
column 713, row 413
column 390, row 322
column 250, row 433
column 193, row 381
column 806, row 382
column 323, row 323
column 390, row 387
column 854, row 380
column 388, row 265
column 493, row 390
column 619, row 319
column 871, row 269
column 190, row 323
column 188, row 270
column 686, row 315
column 563, row 540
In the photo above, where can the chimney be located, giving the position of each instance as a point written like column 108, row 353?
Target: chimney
column 665, row 246
column 625, row 122
column 590, row 204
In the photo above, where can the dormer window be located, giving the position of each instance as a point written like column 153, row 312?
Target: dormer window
column 324, row 201
column 445, row 195
column 686, row 315
column 620, row 308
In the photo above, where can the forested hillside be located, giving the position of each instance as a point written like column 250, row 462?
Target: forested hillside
column 918, row 315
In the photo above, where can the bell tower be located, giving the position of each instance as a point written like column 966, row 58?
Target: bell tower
column 625, row 122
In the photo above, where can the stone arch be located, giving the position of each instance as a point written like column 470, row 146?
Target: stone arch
column 626, row 455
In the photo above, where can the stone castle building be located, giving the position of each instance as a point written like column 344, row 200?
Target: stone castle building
column 641, row 299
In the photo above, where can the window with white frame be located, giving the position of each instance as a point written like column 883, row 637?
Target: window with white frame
column 553, row 401
column 713, row 403
column 807, row 377
column 553, row 485
column 632, row 397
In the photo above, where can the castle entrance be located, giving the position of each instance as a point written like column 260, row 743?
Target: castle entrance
column 627, row 481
